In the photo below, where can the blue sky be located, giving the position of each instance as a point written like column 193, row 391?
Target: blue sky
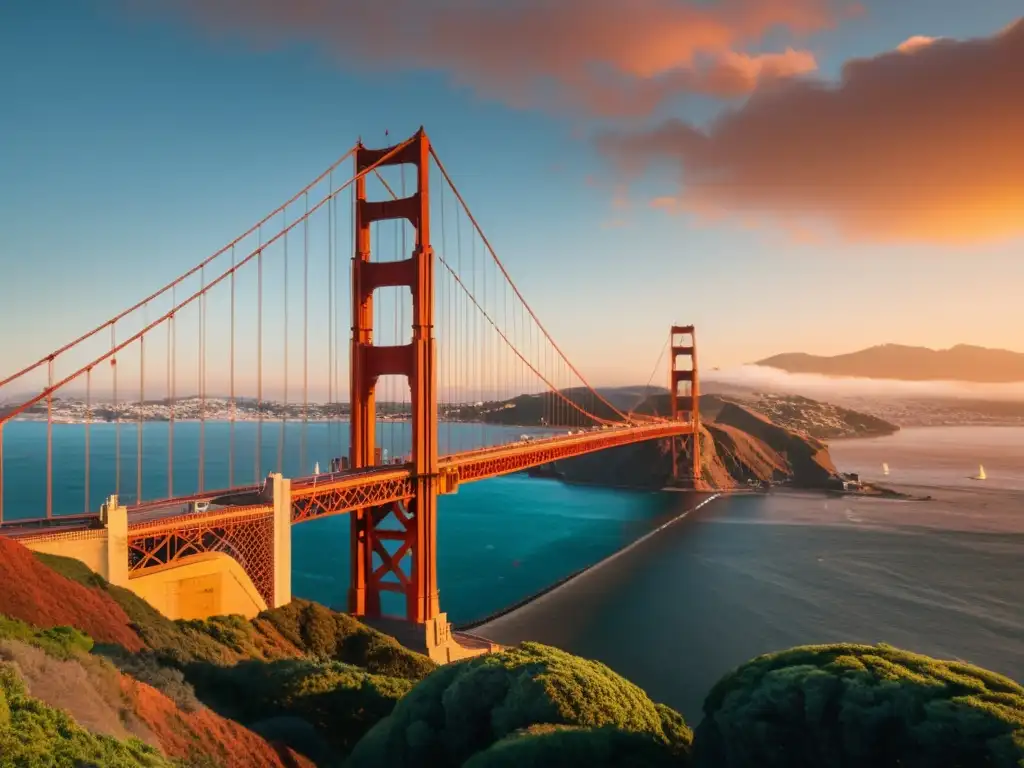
column 131, row 148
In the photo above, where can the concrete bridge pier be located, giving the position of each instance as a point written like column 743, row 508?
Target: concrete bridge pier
column 281, row 498
column 434, row 638
column 195, row 585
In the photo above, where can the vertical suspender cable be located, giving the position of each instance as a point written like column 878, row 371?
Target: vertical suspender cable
column 284, row 406
column 49, row 441
column 305, row 339
column 202, row 385
column 117, row 419
column 172, row 367
column 170, row 406
column 258, row 457
column 234, row 402
column 330, row 321
column 142, row 408
column 88, row 424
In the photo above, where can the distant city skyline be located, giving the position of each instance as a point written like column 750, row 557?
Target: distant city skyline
column 849, row 218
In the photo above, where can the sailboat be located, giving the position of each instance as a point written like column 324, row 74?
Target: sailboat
column 885, row 469
column 981, row 473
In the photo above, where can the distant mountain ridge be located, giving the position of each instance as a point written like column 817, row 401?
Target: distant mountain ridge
column 963, row 362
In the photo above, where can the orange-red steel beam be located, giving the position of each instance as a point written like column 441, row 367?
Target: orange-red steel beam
column 416, row 512
column 346, row 493
column 689, row 409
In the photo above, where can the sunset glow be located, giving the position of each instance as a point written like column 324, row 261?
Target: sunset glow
column 713, row 158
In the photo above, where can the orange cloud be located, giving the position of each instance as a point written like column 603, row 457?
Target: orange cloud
column 609, row 57
column 915, row 42
column 918, row 145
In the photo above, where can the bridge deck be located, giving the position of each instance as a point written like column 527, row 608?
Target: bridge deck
column 339, row 492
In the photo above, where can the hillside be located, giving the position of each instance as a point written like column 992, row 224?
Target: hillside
column 545, row 409
column 822, row 421
column 296, row 686
column 755, row 438
column 894, row 361
column 738, row 446
column 802, row 414
column 304, row 686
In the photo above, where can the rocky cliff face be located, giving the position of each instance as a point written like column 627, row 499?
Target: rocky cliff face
column 737, row 446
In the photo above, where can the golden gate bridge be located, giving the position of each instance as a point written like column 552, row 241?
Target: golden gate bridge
column 461, row 343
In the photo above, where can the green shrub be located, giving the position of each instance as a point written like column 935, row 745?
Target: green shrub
column 329, row 635
column 148, row 667
column 298, row 735
column 464, row 708
column 33, row 734
column 677, row 733
column 341, row 701
column 5, row 707
column 59, row 642
column 573, row 747
column 860, row 706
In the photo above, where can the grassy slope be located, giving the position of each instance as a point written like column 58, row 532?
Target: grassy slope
column 292, row 675
column 287, row 671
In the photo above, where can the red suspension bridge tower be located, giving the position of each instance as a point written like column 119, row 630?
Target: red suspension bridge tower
column 417, row 520
column 685, row 405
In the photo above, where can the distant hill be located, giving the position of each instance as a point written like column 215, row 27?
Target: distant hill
column 894, row 361
column 738, row 446
column 821, row 421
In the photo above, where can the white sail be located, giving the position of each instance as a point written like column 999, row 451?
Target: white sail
column 981, row 472
column 885, row 469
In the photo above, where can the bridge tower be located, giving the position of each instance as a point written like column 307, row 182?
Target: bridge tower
column 685, row 405
column 415, row 535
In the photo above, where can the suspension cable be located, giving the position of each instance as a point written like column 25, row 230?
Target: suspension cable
column 183, row 277
column 115, row 348
column 647, row 386
column 500, row 333
column 519, row 295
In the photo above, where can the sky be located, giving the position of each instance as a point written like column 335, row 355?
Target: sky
column 787, row 175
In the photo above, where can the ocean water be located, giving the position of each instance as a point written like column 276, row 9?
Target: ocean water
column 754, row 574
column 745, row 575
column 499, row 540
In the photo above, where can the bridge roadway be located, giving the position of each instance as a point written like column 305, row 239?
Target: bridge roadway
column 339, row 492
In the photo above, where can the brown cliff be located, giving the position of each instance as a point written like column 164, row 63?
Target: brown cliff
column 805, row 459
column 737, row 446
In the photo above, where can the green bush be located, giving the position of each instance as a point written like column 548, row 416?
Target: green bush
column 59, row 642
column 299, row 736
column 148, row 667
column 573, row 747
column 464, row 708
column 677, row 733
column 341, row 701
column 33, row 734
column 325, row 634
column 860, row 706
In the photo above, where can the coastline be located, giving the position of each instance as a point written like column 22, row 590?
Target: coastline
column 864, row 436
column 541, row 595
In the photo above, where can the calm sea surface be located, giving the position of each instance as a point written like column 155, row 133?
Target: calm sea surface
column 749, row 575
column 742, row 576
